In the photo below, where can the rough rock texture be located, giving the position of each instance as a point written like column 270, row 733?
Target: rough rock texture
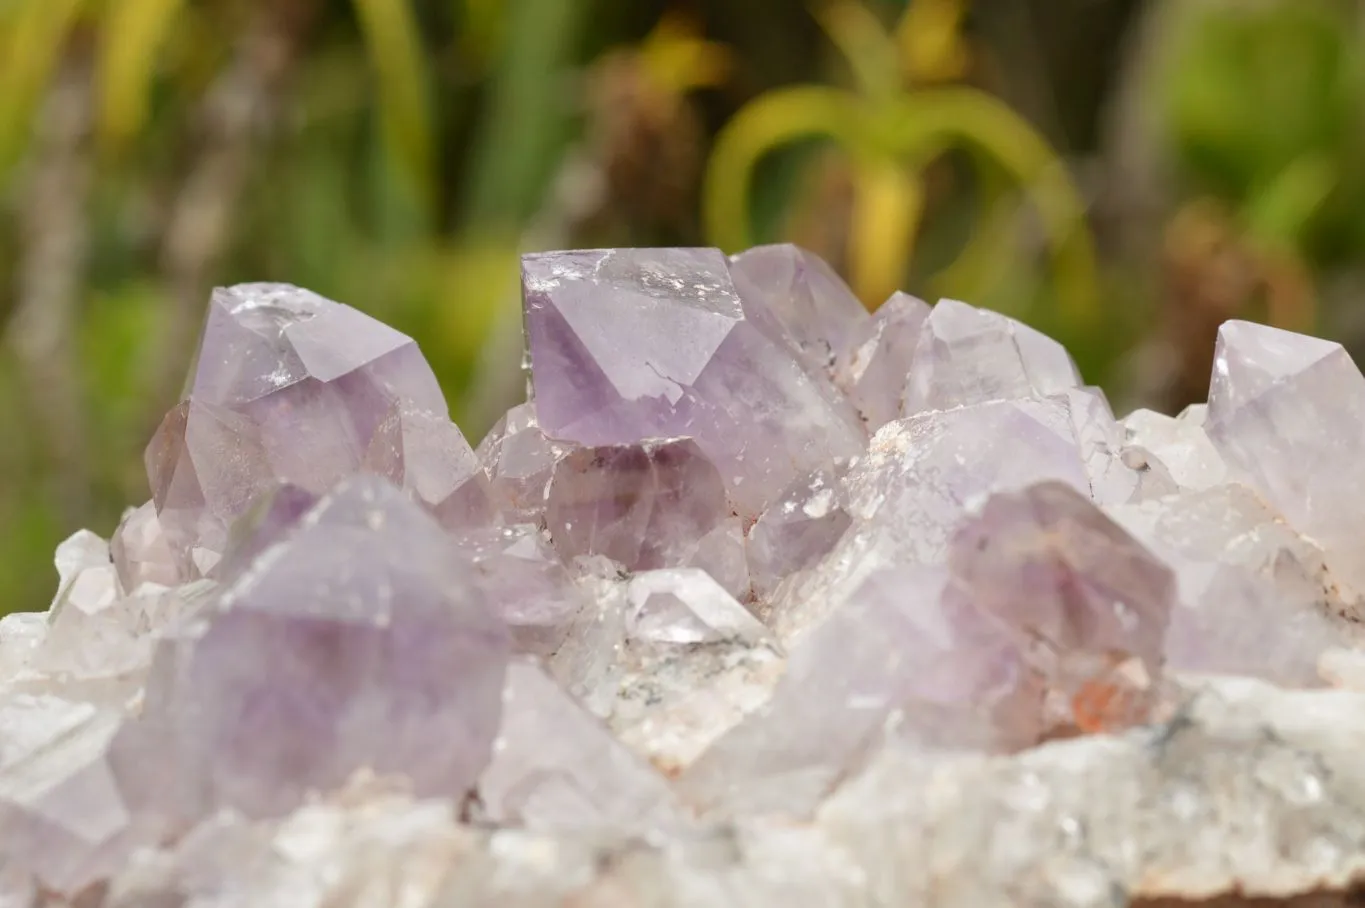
column 680, row 633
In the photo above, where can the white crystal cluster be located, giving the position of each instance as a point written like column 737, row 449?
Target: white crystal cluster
column 760, row 601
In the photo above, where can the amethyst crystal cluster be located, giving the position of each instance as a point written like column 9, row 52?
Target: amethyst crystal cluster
column 652, row 640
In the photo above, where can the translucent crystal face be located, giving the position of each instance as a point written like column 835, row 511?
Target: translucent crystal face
column 762, row 599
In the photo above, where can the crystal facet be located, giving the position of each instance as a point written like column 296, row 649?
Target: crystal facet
column 628, row 345
column 427, row 454
column 140, row 550
column 812, row 303
column 519, row 459
column 872, row 366
column 967, row 355
column 643, row 505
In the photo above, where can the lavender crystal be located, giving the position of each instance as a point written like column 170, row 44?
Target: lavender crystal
column 760, row 600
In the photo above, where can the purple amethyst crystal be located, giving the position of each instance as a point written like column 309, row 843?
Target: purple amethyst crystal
column 680, row 631
column 646, row 505
column 633, row 344
column 872, row 365
column 141, row 551
column 812, row 304
column 352, row 645
column 289, row 387
column 426, row 454
column 1081, row 597
column 519, row 458
column 967, row 355
column 207, row 465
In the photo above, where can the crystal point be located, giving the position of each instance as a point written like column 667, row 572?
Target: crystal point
column 872, row 366
column 426, row 454
column 628, row 345
column 685, row 605
column 967, row 355
column 352, row 644
column 813, row 305
column 1077, row 591
column 1287, row 413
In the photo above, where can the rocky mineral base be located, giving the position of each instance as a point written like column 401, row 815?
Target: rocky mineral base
column 760, row 599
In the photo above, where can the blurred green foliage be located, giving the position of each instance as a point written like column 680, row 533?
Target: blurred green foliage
column 398, row 155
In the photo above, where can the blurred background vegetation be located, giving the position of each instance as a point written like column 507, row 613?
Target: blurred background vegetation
column 1123, row 174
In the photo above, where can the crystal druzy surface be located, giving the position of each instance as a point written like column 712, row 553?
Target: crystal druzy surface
column 759, row 599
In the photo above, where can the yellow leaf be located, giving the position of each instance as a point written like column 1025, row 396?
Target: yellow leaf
column 32, row 34
column 887, row 203
column 930, row 122
column 130, row 38
column 397, row 57
column 930, row 39
column 481, row 28
column 864, row 43
column 679, row 60
column 766, row 124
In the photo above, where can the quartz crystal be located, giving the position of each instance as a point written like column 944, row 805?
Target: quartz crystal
column 967, row 355
column 206, row 465
column 875, row 359
column 685, row 605
column 352, row 644
column 427, row 454
column 643, row 505
column 62, row 817
column 811, row 303
column 557, row 766
column 140, row 551
column 760, row 600
column 524, row 582
column 288, row 386
column 1287, row 413
column 1179, row 445
column 802, row 525
column 628, row 345
column 905, row 649
column 519, row 460
column 1084, row 600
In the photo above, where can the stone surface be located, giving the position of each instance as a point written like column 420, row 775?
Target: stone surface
column 872, row 366
column 628, row 345
column 683, row 635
